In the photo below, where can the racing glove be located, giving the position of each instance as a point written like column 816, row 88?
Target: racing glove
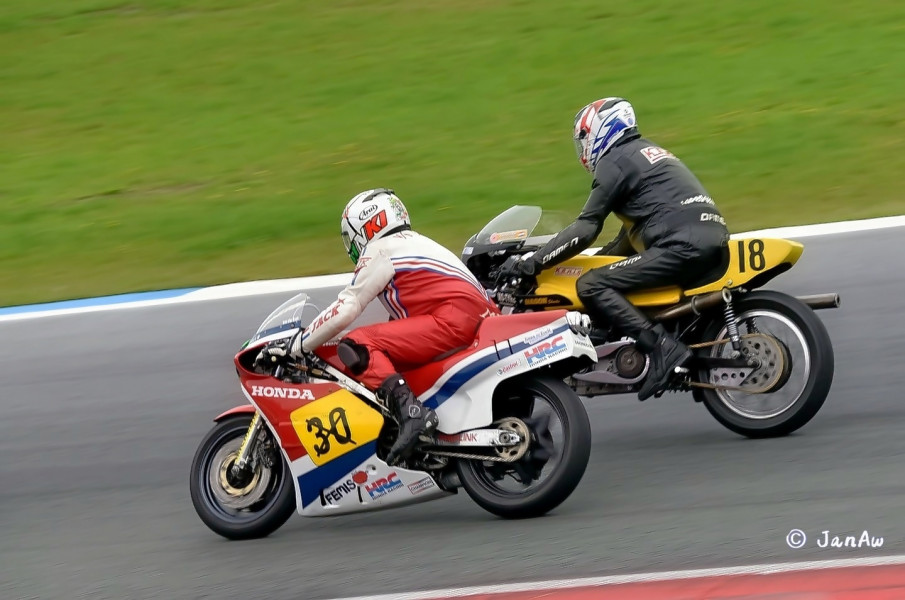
column 522, row 268
column 269, row 356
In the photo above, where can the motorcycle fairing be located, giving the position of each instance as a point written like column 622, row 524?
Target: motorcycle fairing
column 328, row 436
column 750, row 259
column 459, row 388
column 332, row 455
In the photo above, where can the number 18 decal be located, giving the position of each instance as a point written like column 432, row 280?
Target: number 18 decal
column 755, row 260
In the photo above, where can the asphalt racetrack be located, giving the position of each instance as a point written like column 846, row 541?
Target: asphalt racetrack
column 102, row 413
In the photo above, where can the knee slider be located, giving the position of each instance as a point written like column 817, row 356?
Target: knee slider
column 354, row 356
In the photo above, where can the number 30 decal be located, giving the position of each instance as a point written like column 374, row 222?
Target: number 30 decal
column 755, row 259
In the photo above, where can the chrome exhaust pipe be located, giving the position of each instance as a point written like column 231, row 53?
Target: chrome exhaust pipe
column 820, row 301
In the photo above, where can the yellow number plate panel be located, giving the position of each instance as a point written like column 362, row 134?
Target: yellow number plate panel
column 335, row 424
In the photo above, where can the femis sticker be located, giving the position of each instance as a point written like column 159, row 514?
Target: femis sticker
column 335, row 424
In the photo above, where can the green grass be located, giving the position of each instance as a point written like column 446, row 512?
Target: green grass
column 155, row 144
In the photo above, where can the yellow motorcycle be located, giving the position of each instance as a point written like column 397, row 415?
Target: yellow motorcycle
column 763, row 361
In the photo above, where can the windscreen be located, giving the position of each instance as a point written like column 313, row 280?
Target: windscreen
column 512, row 225
column 530, row 224
column 292, row 314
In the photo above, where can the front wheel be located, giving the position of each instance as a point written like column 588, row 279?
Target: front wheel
column 250, row 504
column 556, row 431
column 797, row 359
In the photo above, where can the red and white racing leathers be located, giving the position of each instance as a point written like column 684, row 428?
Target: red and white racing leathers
column 435, row 305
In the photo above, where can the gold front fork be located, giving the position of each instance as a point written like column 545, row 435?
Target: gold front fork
column 245, row 449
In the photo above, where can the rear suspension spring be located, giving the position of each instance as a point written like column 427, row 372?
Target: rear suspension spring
column 731, row 322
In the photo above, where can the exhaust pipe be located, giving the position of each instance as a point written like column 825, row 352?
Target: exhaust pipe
column 819, row 301
column 700, row 303
column 693, row 306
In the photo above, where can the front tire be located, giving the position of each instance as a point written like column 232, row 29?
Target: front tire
column 256, row 504
column 805, row 386
column 551, row 469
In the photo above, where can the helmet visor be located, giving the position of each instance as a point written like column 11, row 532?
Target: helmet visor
column 579, row 147
column 351, row 247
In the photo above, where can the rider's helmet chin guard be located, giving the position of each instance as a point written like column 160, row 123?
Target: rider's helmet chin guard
column 369, row 216
column 598, row 126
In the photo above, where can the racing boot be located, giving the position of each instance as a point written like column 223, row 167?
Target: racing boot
column 415, row 420
column 666, row 354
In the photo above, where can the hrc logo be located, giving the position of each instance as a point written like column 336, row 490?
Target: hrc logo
column 382, row 486
column 545, row 350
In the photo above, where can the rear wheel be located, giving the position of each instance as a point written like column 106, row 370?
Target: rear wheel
column 796, row 363
column 557, row 433
column 249, row 504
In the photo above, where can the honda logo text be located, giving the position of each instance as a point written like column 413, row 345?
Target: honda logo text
column 281, row 392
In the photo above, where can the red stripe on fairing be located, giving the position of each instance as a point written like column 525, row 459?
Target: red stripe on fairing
column 851, row 583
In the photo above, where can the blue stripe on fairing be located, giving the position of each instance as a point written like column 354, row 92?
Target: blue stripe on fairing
column 102, row 301
column 452, row 385
column 312, row 482
column 455, row 382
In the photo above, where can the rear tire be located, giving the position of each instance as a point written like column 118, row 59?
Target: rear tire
column 268, row 507
column 817, row 356
column 518, row 398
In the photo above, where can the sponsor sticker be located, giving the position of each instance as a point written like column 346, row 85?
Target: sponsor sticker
column 456, row 438
column 545, row 350
column 421, row 485
column 537, row 301
column 568, row 271
column 340, row 491
column 383, row 486
column 538, row 335
column 508, row 236
column 655, row 154
column 509, row 367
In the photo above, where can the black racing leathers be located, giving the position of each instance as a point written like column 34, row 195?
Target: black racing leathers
column 668, row 218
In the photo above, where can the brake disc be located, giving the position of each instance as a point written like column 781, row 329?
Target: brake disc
column 761, row 378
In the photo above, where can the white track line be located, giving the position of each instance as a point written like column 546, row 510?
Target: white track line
column 260, row 288
column 559, row 584
column 218, row 292
column 801, row 231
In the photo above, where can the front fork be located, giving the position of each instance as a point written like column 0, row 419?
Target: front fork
column 247, row 446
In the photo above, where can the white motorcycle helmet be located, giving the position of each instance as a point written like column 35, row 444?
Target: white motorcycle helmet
column 369, row 216
column 598, row 126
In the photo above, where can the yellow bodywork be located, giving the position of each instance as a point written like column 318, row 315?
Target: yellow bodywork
column 749, row 258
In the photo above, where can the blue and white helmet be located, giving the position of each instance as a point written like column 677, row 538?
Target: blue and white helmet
column 598, row 126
